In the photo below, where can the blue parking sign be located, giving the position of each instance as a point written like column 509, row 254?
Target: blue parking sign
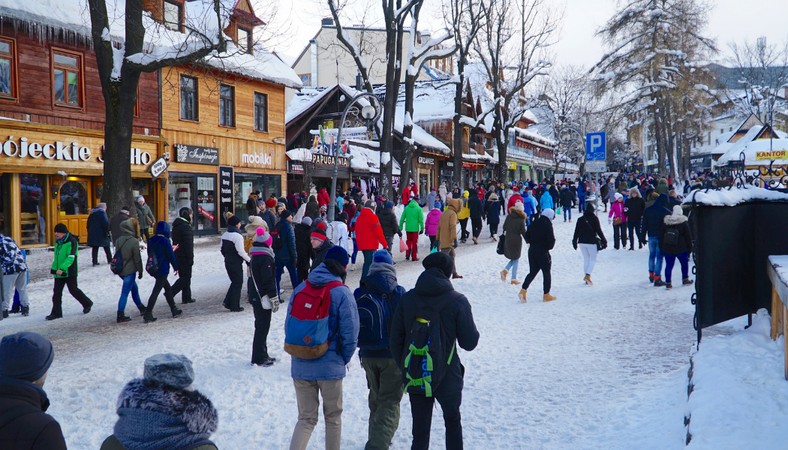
column 596, row 146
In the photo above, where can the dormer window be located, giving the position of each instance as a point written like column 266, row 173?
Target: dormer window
column 244, row 40
column 172, row 15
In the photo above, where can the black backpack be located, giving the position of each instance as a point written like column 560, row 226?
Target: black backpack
column 276, row 236
column 116, row 265
column 374, row 314
column 671, row 236
column 425, row 358
column 152, row 266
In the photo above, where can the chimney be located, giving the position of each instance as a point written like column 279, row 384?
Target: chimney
column 327, row 22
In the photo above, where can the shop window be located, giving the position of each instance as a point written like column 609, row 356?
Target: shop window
column 197, row 193
column 67, row 78
column 247, row 183
column 226, row 105
column 260, row 112
column 172, row 15
column 306, row 79
column 189, row 105
column 7, row 68
column 34, row 196
column 74, row 198
column 245, row 40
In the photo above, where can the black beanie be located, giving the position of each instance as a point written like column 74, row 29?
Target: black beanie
column 61, row 228
column 233, row 221
column 441, row 261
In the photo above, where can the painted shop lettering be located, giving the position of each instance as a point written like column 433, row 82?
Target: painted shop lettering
column 264, row 159
column 23, row 148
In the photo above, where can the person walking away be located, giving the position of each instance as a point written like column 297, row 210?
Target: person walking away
column 12, row 261
column 98, row 232
column 325, row 373
column 447, row 231
column 263, row 295
column 377, row 299
column 675, row 242
column 286, row 254
column 114, row 224
column 302, row 231
column 581, row 196
column 312, row 208
column 604, row 192
column 144, row 217
column 514, row 228
column 476, row 210
column 388, row 223
column 413, row 220
column 653, row 218
column 618, row 217
column 447, row 312
column 587, row 230
column 369, row 234
column 160, row 249
column 463, row 215
column 493, row 212
column 251, row 204
column 431, row 226
column 25, row 358
column 183, row 246
column 129, row 249
column 546, row 201
column 541, row 240
column 634, row 207
column 530, row 205
column 65, row 271
column 566, row 198
column 162, row 410
column 234, row 258
column 431, row 197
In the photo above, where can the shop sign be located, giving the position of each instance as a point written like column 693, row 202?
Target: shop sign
column 427, row 161
column 449, row 163
column 61, row 151
column 768, row 156
column 295, row 167
column 158, row 167
column 328, row 160
column 196, row 155
column 263, row 159
column 511, row 165
column 225, row 192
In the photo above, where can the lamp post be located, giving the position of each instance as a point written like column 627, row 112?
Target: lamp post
column 369, row 112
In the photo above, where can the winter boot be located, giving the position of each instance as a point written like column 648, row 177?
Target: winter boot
column 456, row 276
column 475, row 241
column 25, row 311
column 5, row 314
column 122, row 317
column 522, row 295
column 548, row 298
column 54, row 316
column 668, row 285
column 587, row 279
column 15, row 308
column 516, row 282
column 686, row 281
column 176, row 312
column 504, row 273
column 148, row 317
column 87, row 308
column 651, row 277
column 494, row 238
column 658, row 281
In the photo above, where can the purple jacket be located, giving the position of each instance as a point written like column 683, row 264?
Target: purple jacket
column 431, row 223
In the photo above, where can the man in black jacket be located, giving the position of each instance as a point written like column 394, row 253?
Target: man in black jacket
column 435, row 292
column 183, row 244
column 541, row 239
column 476, row 208
column 286, row 255
column 653, row 218
column 388, row 223
column 634, row 208
column 303, row 247
column 25, row 358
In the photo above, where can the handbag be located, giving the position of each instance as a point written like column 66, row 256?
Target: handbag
column 501, row 245
column 600, row 245
column 617, row 220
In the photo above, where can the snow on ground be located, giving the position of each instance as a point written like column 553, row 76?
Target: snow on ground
column 603, row 367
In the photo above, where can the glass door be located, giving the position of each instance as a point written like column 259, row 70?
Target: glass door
column 74, row 206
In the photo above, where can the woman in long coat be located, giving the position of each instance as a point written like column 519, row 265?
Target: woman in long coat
column 513, row 229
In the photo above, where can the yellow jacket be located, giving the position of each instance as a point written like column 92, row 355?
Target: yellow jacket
column 465, row 212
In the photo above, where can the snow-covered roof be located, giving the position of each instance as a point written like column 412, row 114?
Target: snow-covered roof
column 758, row 153
column 730, row 150
column 419, row 135
column 307, row 97
column 535, row 137
column 733, row 197
column 530, row 116
column 476, row 157
column 432, row 100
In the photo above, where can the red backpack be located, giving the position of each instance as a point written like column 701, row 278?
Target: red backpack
column 306, row 324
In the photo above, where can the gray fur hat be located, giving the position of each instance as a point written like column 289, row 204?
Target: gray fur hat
column 170, row 369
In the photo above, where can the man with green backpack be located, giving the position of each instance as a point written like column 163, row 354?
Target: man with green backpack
column 428, row 324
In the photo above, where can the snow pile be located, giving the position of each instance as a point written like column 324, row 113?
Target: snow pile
column 733, row 197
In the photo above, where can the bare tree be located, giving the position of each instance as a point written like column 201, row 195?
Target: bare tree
column 762, row 70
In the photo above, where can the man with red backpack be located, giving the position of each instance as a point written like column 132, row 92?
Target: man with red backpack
column 321, row 331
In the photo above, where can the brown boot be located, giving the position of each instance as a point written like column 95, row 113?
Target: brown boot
column 587, row 279
column 522, row 294
column 548, row 297
column 504, row 273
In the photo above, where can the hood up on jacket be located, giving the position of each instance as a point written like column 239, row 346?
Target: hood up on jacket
column 455, row 204
column 677, row 217
column 163, row 228
column 381, row 278
column 321, row 275
column 127, row 228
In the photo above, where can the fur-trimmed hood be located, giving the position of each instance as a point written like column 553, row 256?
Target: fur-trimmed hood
column 677, row 217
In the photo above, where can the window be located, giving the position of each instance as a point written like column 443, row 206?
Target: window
column 66, row 68
column 244, row 40
column 189, row 98
column 260, row 112
column 172, row 16
column 226, row 105
column 7, row 69
column 306, row 79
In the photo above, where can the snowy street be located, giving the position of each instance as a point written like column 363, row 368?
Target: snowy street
column 602, row 367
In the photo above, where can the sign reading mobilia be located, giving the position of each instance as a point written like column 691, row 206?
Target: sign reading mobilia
column 196, row 155
column 263, row 159
column 62, row 151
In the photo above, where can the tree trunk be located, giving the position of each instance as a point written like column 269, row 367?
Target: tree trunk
column 119, row 107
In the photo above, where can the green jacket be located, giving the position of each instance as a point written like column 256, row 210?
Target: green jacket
column 413, row 217
column 66, row 256
column 112, row 443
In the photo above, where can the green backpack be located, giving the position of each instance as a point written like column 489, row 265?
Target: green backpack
column 425, row 358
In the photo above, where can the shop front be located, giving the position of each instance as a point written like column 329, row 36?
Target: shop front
column 425, row 172
column 192, row 184
column 305, row 168
column 260, row 171
column 52, row 175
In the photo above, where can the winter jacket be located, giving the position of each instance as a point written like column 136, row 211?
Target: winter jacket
column 654, row 215
column 529, row 205
column 635, row 206
column 405, row 197
column 302, row 240
column 540, row 235
column 323, row 198
column 465, row 210
column 251, row 205
column 475, row 207
column 183, row 237
column 262, row 273
column 312, row 208
column 233, row 246
column 677, row 221
column 617, row 211
column 114, row 226
column 514, row 229
column 66, row 250
column 343, row 323
column 546, row 201
column 11, row 259
column 160, row 246
column 287, row 253
column 431, row 224
column 388, row 222
column 604, row 192
column 152, row 415
column 269, row 218
column 368, row 231
column 587, row 229
column 35, row 430
column 319, row 254
column 129, row 247
column 492, row 210
column 98, row 228
column 350, row 209
column 447, row 226
column 554, row 194
column 431, row 197
column 456, row 322
column 381, row 281
column 144, row 215
column 339, row 235
column 567, row 198
column 413, row 218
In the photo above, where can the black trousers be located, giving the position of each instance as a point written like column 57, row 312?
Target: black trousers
column 433, row 242
column 73, row 289
column 145, row 233
column 235, row 271
column 476, row 226
column 620, row 232
column 184, row 283
column 464, row 228
column 421, row 409
column 302, row 267
column 161, row 283
column 94, row 253
column 634, row 230
column 538, row 260
column 493, row 228
column 262, row 324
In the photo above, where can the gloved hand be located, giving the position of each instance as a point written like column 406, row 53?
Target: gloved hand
column 421, row 232
column 609, row 220
column 139, row 276
column 275, row 304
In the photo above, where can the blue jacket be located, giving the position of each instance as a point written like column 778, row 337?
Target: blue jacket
column 160, row 246
column 287, row 253
column 98, row 228
column 546, row 201
column 381, row 280
column 343, row 325
column 654, row 216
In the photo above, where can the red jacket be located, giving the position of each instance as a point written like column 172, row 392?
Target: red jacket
column 323, row 198
column 406, row 195
column 369, row 233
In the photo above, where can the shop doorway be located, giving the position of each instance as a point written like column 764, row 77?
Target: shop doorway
column 197, row 192
column 74, row 205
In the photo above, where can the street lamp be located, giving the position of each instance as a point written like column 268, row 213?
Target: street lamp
column 369, row 112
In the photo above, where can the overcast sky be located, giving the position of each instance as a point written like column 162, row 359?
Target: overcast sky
column 729, row 20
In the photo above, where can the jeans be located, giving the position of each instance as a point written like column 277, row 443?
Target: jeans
column 513, row 264
column 262, row 324
column 307, row 400
column 581, row 204
column 538, row 260
column 413, row 245
column 355, row 252
column 671, row 259
column 73, row 289
column 368, row 254
column 421, row 409
column 184, row 283
column 567, row 213
column 589, row 257
column 291, row 270
column 232, row 300
column 107, row 253
column 654, row 256
column 129, row 285
column 15, row 281
column 384, row 381
column 390, row 244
